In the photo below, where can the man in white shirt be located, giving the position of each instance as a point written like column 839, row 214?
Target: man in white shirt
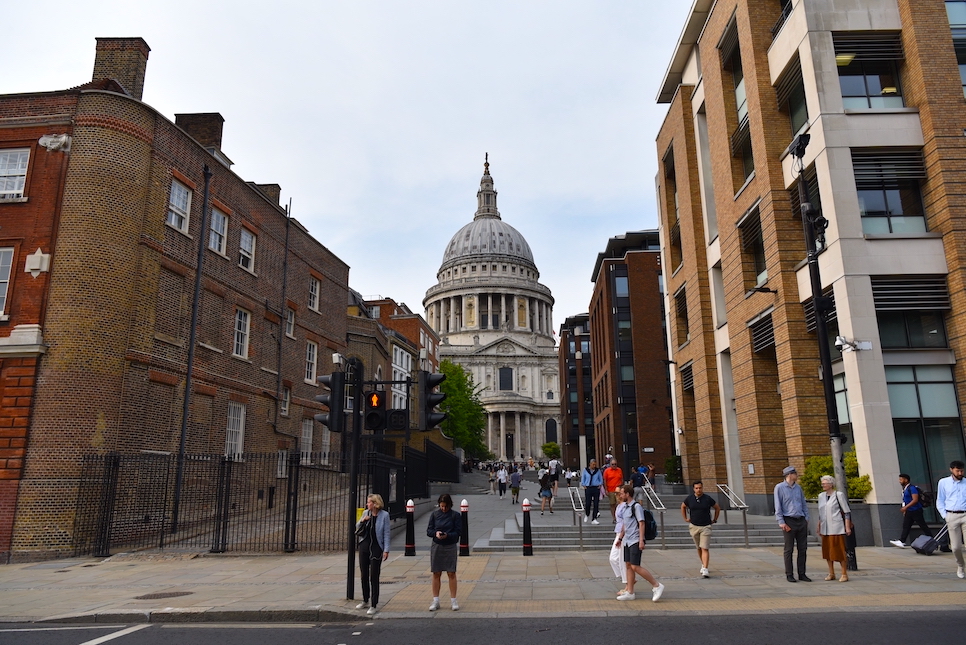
column 501, row 478
column 951, row 504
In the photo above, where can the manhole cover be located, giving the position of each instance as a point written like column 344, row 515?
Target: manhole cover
column 166, row 594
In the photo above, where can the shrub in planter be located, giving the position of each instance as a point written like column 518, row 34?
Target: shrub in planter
column 815, row 467
column 672, row 470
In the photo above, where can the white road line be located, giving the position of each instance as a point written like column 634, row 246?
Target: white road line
column 110, row 637
column 237, row 626
column 59, row 629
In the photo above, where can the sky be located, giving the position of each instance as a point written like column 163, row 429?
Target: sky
column 374, row 116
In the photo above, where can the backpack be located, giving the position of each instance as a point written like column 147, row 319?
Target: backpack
column 650, row 525
column 925, row 497
column 637, row 479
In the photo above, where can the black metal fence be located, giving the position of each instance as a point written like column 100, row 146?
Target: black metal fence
column 264, row 502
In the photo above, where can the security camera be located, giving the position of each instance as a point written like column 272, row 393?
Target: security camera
column 841, row 343
column 338, row 359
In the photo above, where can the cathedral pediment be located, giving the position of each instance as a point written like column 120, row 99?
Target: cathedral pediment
column 505, row 347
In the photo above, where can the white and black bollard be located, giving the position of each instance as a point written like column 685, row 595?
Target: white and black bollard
column 465, row 532
column 410, row 528
column 527, row 532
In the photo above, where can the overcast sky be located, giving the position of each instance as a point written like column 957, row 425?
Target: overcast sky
column 374, row 116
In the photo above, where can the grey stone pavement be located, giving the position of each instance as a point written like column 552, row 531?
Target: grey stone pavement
column 199, row 587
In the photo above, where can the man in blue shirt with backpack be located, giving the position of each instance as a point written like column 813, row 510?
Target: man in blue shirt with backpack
column 913, row 501
column 632, row 539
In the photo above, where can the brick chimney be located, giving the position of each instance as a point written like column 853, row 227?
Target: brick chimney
column 272, row 191
column 205, row 127
column 124, row 60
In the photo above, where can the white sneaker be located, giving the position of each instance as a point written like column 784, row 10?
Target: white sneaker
column 960, row 573
column 362, row 605
column 627, row 596
column 897, row 543
column 434, row 606
column 705, row 573
column 595, row 522
column 455, row 606
column 371, row 611
column 657, row 592
column 585, row 518
column 622, row 592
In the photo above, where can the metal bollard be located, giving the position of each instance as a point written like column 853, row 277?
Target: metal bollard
column 410, row 528
column 527, row 532
column 465, row 532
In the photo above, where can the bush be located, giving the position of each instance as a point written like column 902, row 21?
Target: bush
column 551, row 450
column 815, row 467
column 672, row 470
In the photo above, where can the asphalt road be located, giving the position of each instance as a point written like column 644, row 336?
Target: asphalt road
column 838, row 628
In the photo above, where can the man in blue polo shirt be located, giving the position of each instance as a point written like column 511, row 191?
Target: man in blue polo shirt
column 792, row 515
column 951, row 504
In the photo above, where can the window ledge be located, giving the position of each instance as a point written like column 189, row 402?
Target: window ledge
column 169, row 340
column 897, row 110
column 247, row 270
column 903, row 236
column 175, row 228
column 243, row 359
column 218, row 253
column 312, row 383
column 13, row 200
column 744, row 185
column 270, row 371
column 211, row 348
column 288, row 335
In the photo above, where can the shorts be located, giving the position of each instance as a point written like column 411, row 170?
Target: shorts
column 632, row 554
column 554, row 477
column 701, row 536
column 639, row 495
column 546, row 493
column 515, row 490
column 612, row 498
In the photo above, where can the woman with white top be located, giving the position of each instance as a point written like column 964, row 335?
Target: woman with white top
column 834, row 523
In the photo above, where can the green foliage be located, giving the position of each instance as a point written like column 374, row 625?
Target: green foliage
column 467, row 418
column 815, row 467
column 551, row 449
column 672, row 470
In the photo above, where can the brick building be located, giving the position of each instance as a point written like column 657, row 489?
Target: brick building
column 628, row 361
column 576, row 393
column 94, row 335
column 877, row 86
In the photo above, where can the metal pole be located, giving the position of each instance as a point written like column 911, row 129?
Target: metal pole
column 744, row 520
column 195, row 306
column 822, row 306
column 355, row 441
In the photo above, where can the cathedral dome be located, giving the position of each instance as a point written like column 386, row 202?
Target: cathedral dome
column 489, row 236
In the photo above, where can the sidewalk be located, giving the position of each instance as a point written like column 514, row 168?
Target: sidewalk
column 182, row 587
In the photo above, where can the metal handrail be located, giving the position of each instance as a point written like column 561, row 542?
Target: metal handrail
column 577, row 501
column 654, row 500
column 735, row 502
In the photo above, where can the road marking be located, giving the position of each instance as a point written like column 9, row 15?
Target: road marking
column 357, row 633
column 110, row 637
column 238, row 626
column 58, row 629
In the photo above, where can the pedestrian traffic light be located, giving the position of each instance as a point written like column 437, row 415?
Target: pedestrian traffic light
column 375, row 413
column 334, row 419
column 397, row 420
column 428, row 400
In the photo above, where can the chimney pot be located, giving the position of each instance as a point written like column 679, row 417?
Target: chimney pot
column 205, row 127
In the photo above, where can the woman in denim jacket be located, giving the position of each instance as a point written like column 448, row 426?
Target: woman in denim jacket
column 373, row 550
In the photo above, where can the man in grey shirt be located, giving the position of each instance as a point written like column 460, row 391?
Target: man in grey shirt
column 792, row 515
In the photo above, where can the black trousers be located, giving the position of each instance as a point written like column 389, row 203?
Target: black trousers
column 797, row 537
column 370, row 567
column 592, row 499
column 913, row 517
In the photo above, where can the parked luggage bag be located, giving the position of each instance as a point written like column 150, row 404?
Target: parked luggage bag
column 925, row 545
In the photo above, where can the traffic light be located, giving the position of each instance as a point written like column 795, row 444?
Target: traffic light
column 375, row 413
column 428, row 400
column 334, row 419
column 397, row 420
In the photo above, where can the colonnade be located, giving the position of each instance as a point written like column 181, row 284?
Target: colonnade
column 527, row 429
column 498, row 311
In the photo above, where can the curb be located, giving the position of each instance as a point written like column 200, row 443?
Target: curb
column 201, row 615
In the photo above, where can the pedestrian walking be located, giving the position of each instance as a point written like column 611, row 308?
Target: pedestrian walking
column 792, row 515
column 591, row 479
column 613, row 480
column 912, row 511
column 546, row 492
column 951, row 504
column 502, row 476
column 373, row 532
column 492, row 481
column 631, row 538
column 834, row 523
column 569, row 475
column 637, row 481
column 515, row 479
column 444, row 528
column 696, row 511
column 617, row 551
column 554, row 468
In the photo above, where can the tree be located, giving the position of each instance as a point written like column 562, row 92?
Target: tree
column 467, row 417
column 815, row 467
column 551, row 449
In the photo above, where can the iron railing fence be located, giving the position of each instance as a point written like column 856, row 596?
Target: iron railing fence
column 254, row 502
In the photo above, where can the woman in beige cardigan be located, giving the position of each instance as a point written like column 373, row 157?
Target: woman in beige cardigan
column 834, row 523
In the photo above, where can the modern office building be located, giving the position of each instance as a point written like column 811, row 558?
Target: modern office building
column 576, row 393
column 877, row 87
column 628, row 361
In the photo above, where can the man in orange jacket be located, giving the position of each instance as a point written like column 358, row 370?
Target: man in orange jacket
column 613, row 479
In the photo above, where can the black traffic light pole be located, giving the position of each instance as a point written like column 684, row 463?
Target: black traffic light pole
column 815, row 225
column 356, row 438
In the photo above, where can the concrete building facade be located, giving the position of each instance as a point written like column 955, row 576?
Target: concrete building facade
column 877, row 87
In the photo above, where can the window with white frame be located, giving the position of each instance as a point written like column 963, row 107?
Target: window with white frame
column 218, row 232
column 305, row 446
column 314, row 287
column 242, row 322
column 281, row 470
column 290, row 322
column 246, row 250
column 179, row 206
column 286, row 401
column 311, row 358
column 325, row 446
column 6, row 262
column 13, row 172
column 235, row 433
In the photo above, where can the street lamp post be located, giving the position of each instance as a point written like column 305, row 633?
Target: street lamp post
column 815, row 225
